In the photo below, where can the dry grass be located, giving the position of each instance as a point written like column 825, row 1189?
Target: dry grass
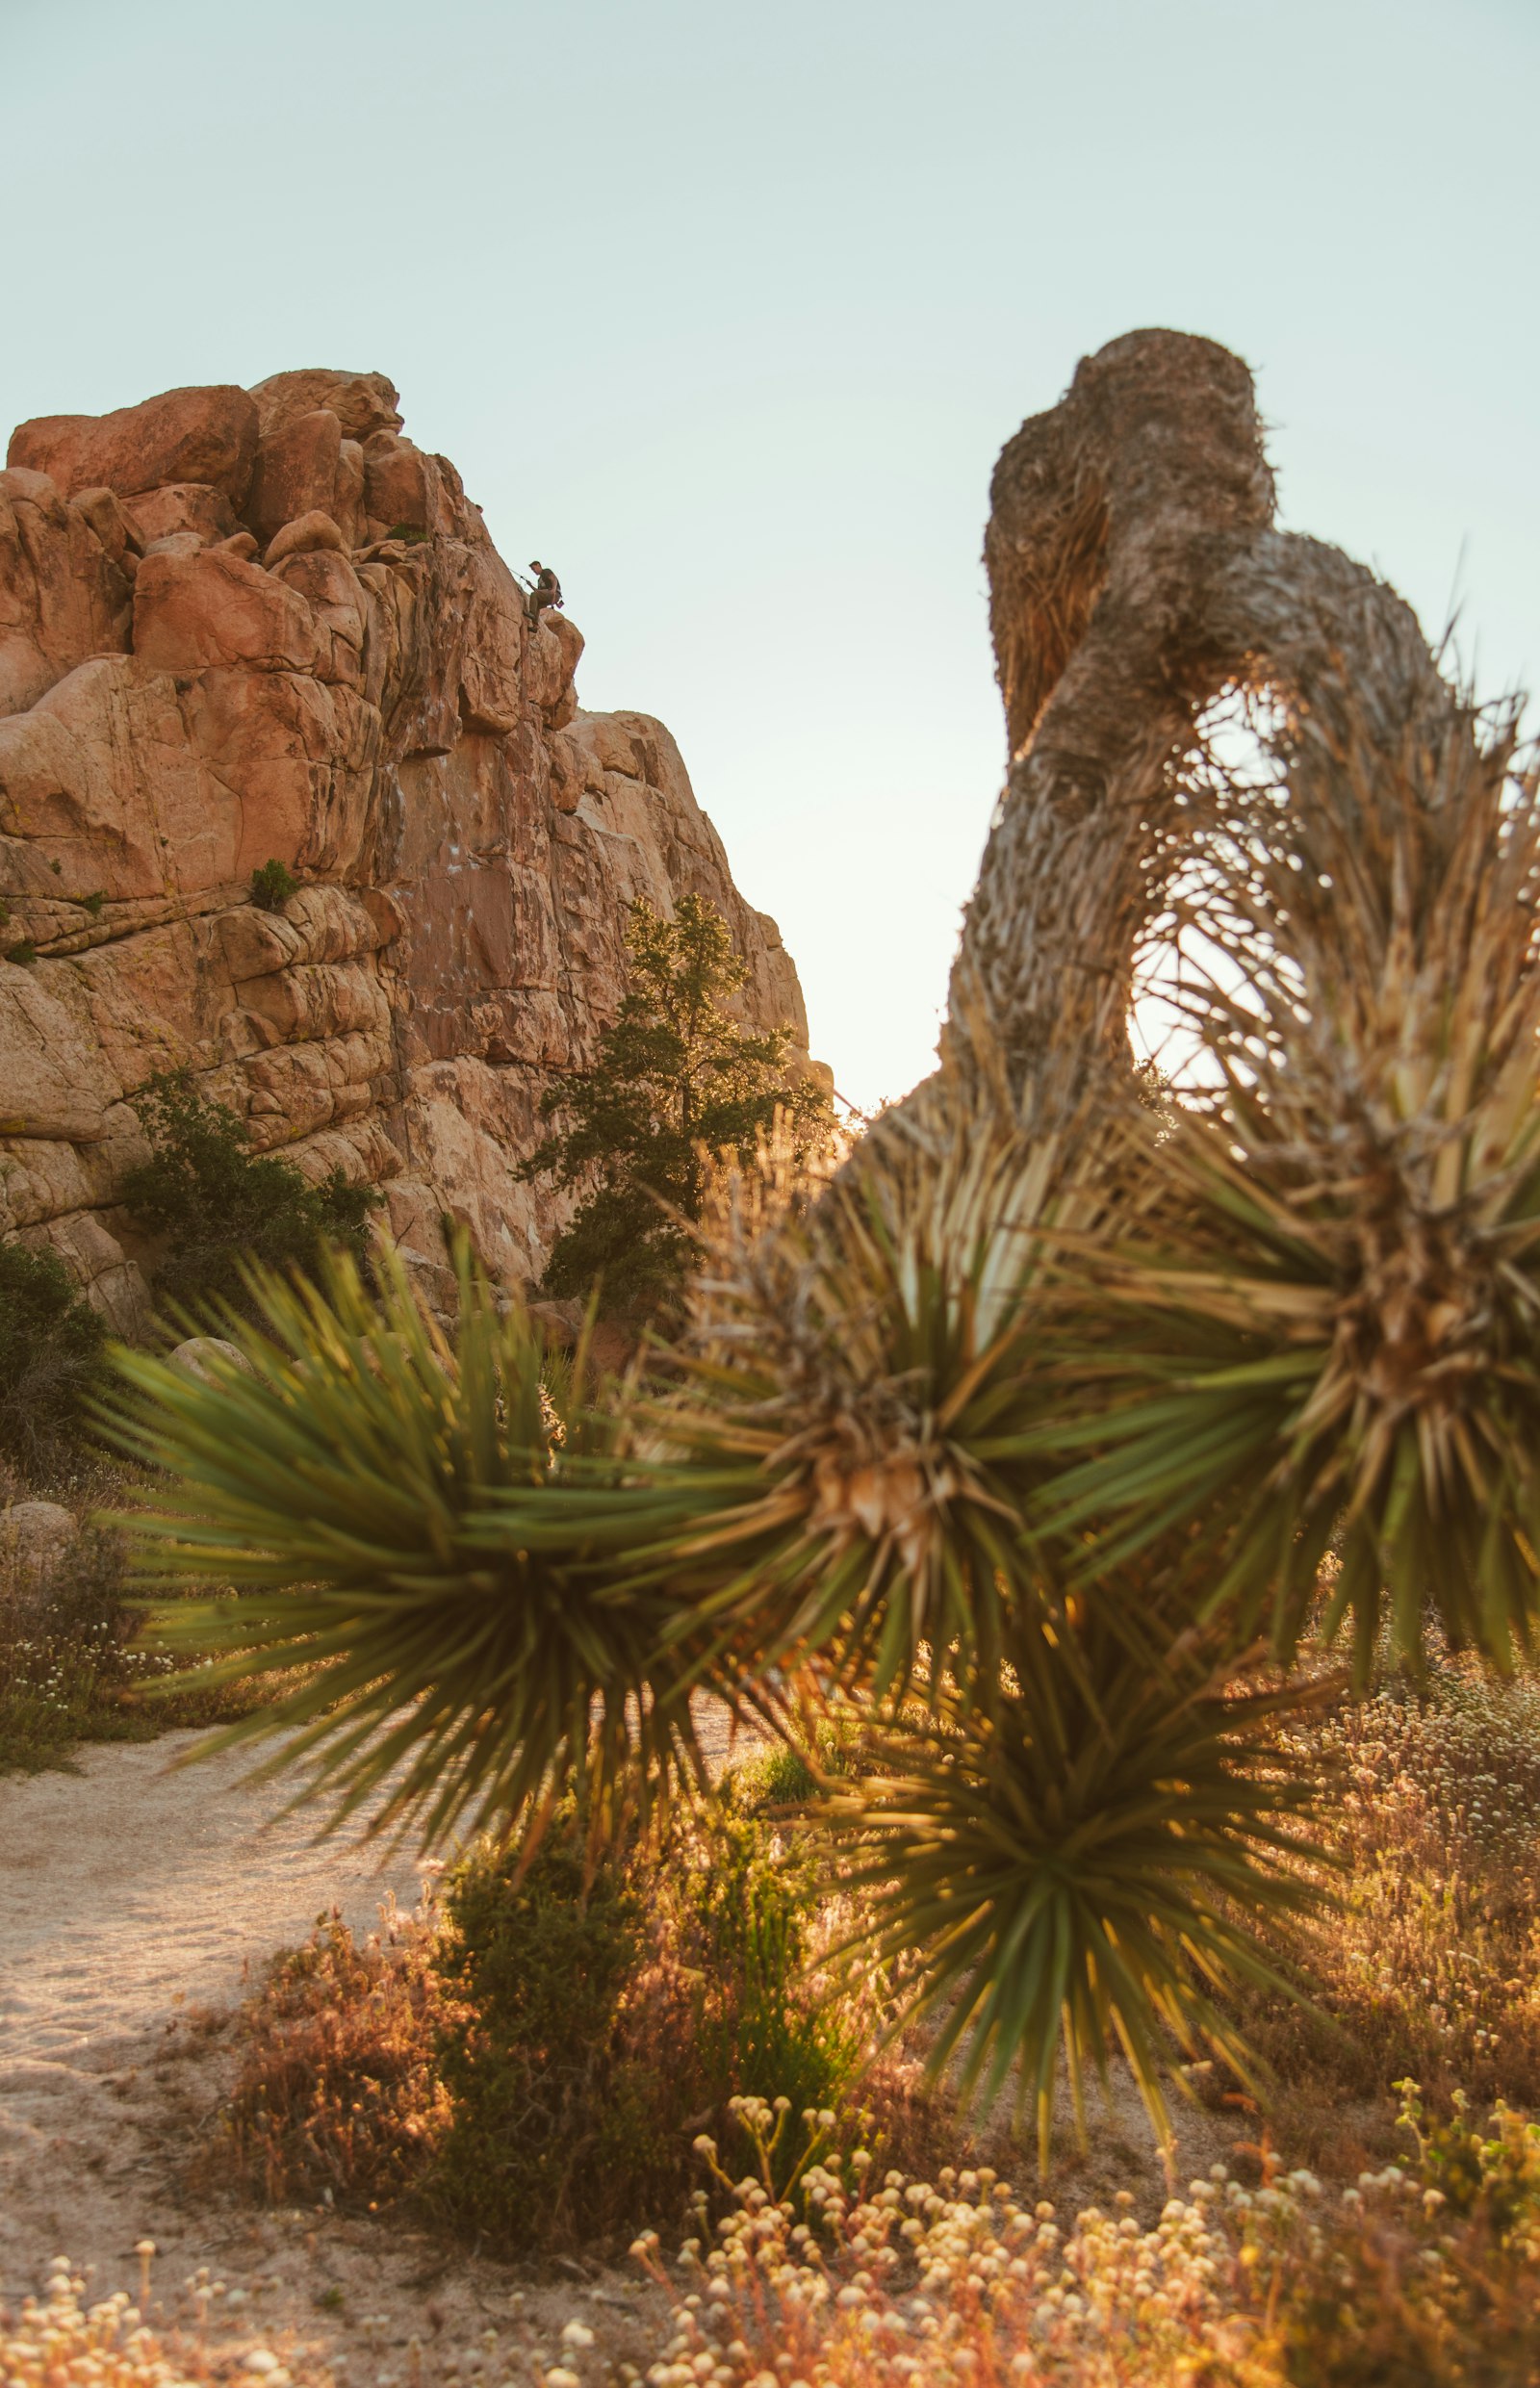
column 337, row 2097
column 1428, row 1966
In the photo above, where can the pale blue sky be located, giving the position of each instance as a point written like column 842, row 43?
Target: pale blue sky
column 728, row 311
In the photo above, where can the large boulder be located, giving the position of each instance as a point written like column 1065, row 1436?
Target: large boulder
column 362, row 402
column 36, row 1541
column 296, row 472
column 213, row 607
column 207, row 435
column 368, row 704
column 209, row 1356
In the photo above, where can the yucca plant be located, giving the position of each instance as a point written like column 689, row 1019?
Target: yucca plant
column 430, row 1528
column 1081, row 1860
column 1320, row 1341
column 502, row 1590
column 872, row 1356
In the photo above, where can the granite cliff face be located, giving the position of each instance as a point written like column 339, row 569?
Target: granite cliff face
column 237, row 624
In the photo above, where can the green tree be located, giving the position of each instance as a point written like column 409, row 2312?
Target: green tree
column 217, row 1203
column 50, row 1352
column 677, row 1076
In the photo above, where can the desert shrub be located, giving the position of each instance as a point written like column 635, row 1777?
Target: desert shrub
column 336, row 2090
column 50, row 1355
column 63, row 1657
column 531, row 2063
column 272, row 883
column 780, row 1776
column 216, row 1203
column 748, row 1910
column 1428, row 1963
column 604, row 2010
column 561, row 2124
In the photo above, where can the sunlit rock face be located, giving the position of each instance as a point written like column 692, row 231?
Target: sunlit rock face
column 241, row 625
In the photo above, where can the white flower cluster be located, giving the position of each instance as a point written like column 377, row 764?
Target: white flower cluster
column 60, row 2340
column 944, row 2285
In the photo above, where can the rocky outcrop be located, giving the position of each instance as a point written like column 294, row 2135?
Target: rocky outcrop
column 238, row 625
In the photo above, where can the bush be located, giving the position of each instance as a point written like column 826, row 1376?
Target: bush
column 216, row 1203
column 272, row 883
column 560, row 2130
column 336, row 2092
column 532, row 2067
column 62, row 1657
column 748, row 1911
column 50, row 1355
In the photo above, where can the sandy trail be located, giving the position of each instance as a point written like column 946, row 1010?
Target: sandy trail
column 128, row 1887
column 138, row 1900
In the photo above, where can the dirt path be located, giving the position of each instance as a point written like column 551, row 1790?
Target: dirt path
column 132, row 1886
column 133, row 1900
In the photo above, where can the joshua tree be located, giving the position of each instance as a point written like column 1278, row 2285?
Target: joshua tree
column 1060, row 1419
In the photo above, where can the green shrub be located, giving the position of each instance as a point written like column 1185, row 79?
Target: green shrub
column 749, row 1906
column 272, row 883
column 561, row 2129
column 50, row 1354
column 24, row 953
column 216, row 1203
column 599, row 2018
column 412, row 534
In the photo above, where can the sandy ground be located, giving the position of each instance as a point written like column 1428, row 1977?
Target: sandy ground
column 135, row 1898
column 136, row 1901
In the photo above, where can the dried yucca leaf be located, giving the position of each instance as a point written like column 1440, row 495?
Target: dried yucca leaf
column 1326, row 1331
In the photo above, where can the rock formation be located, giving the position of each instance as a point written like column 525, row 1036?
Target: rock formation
column 240, row 625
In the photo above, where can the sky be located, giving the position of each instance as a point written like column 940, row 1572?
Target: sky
column 728, row 309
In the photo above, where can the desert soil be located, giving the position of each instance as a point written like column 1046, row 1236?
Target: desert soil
column 138, row 1901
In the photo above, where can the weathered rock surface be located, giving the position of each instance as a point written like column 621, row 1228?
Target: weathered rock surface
column 236, row 626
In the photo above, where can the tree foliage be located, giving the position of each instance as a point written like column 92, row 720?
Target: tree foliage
column 676, row 1075
column 51, row 1343
column 217, row 1206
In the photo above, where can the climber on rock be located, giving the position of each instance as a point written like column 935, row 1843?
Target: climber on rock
column 547, row 591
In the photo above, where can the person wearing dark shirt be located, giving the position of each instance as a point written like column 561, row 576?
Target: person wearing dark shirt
column 547, row 591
